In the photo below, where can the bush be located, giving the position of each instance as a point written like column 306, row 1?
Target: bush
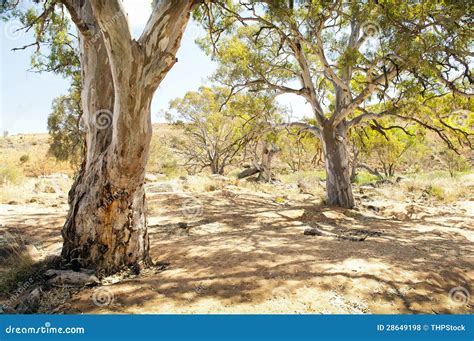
column 170, row 168
column 10, row 174
column 24, row 158
column 436, row 192
column 454, row 162
column 45, row 166
column 364, row 178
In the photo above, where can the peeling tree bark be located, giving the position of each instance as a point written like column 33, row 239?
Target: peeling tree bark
column 336, row 161
column 106, row 228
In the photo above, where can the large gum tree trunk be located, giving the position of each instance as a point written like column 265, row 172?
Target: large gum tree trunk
column 106, row 227
column 338, row 183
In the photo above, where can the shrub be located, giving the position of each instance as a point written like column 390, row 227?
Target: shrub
column 454, row 162
column 24, row 158
column 363, row 178
column 10, row 173
column 436, row 192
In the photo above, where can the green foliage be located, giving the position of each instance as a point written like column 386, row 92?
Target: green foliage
column 454, row 162
column 162, row 160
column 435, row 191
column 56, row 48
column 219, row 127
column 299, row 150
column 312, row 176
column 364, row 178
column 10, row 174
column 420, row 53
column 66, row 143
column 389, row 146
column 256, row 42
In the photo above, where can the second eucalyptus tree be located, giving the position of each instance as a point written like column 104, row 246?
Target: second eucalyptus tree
column 352, row 61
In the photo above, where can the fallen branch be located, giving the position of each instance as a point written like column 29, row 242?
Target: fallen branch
column 70, row 278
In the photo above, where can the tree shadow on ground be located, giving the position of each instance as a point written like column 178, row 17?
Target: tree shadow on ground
column 249, row 254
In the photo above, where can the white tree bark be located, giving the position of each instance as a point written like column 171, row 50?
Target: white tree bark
column 106, row 227
column 336, row 161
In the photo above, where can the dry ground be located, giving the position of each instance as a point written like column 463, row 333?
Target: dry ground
column 240, row 248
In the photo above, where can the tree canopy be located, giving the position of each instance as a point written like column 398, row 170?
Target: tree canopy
column 343, row 57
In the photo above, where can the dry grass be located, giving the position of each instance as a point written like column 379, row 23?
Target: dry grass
column 28, row 156
column 245, row 251
column 17, row 263
column 439, row 187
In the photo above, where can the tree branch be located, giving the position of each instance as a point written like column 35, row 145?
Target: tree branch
column 302, row 126
column 161, row 37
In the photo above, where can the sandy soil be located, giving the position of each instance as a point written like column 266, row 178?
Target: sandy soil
column 236, row 250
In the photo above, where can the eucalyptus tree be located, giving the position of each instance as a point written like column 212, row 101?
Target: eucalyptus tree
column 107, row 223
column 66, row 134
column 219, row 128
column 386, row 149
column 352, row 61
column 106, row 227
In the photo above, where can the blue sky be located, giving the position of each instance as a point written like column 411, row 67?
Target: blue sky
column 26, row 97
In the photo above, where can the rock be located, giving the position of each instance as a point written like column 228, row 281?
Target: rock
column 333, row 215
column 13, row 202
column 291, row 214
column 32, row 252
column 53, row 249
column 150, row 177
column 298, row 196
column 55, row 176
column 34, row 297
column 312, row 232
column 160, row 188
column 29, row 303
